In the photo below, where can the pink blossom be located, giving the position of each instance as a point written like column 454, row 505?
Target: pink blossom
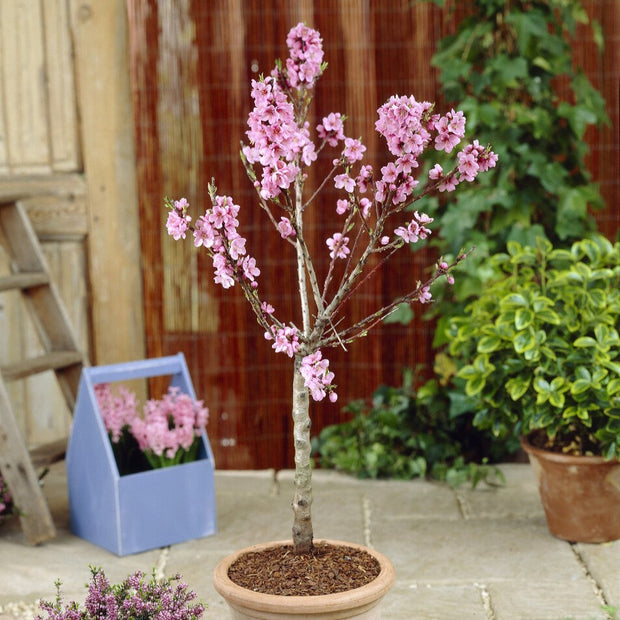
column 250, row 270
column 363, row 178
column 338, row 246
column 306, row 55
column 177, row 224
column 407, row 234
column 390, row 173
column 286, row 228
column 342, row 206
column 365, row 204
column 436, row 172
column 448, row 184
column 450, row 128
column 353, row 150
column 204, row 233
column 331, row 129
column 317, row 376
column 406, row 163
column 223, row 271
column 267, row 308
column 415, row 230
column 425, row 295
column 344, row 181
column 286, row 340
column 380, row 191
column 236, row 247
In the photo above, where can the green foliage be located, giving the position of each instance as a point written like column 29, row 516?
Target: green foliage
column 402, row 434
column 539, row 348
column 502, row 68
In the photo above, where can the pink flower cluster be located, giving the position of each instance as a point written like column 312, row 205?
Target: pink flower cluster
column 216, row 230
column 473, row 159
column 285, row 339
column 118, row 410
column 275, row 139
column 317, row 376
column 303, row 66
column 178, row 220
column 415, row 230
column 163, row 429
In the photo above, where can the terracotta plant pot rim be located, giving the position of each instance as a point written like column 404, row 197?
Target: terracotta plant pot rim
column 274, row 602
column 560, row 457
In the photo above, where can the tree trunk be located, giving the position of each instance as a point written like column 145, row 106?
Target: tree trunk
column 302, row 500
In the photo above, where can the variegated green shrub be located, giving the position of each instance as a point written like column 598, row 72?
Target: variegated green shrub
column 539, row 348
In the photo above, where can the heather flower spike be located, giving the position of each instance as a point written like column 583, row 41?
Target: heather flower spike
column 375, row 207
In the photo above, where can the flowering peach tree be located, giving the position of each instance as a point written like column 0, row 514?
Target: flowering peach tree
column 374, row 208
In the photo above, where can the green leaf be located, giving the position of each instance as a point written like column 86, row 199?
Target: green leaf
column 403, row 314
column 475, row 385
column 524, row 341
column 488, row 344
column 524, row 317
column 517, row 387
column 579, row 117
column 514, row 300
column 547, row 315
column 613, row 387
column 584, row 342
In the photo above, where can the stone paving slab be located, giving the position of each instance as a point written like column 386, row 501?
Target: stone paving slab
column 544, row 600
column 458, row 554
column 603, row 563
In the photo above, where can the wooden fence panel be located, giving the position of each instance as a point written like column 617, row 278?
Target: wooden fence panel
column 191, row 71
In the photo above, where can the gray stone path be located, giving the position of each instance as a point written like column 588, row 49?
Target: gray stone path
column 458, row 554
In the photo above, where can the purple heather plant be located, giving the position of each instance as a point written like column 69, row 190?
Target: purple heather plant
column 276, row 159
column 133, row 599
column 6, row 502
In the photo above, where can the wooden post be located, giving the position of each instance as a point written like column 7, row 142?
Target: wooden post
column 104, row 102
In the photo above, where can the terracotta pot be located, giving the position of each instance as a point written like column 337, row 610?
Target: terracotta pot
column 580, row 494
column 361, row 603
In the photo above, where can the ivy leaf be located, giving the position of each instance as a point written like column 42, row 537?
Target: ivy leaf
column 578, row 117
column 403, row 314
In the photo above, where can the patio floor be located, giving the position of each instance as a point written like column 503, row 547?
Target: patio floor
column 458, row 554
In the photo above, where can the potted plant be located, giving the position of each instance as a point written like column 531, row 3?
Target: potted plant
column 539, row 353
column 7, row 509
column 134, row 597
column 121, row 462
column 373, row 204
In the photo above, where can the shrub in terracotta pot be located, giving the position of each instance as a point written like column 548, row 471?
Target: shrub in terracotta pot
column 377, row 219
column 539, row 353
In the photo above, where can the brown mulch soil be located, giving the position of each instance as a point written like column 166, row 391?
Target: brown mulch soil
column 326, row 570
column 566, row 442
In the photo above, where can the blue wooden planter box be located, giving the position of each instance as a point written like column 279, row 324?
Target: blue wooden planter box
column 136, row 512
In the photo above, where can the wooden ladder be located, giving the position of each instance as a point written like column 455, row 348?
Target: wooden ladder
column 31, row 275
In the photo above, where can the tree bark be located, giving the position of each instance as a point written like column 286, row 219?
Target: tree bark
column 302, row 499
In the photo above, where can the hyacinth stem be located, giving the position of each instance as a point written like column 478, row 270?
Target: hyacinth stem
column 302, row 499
